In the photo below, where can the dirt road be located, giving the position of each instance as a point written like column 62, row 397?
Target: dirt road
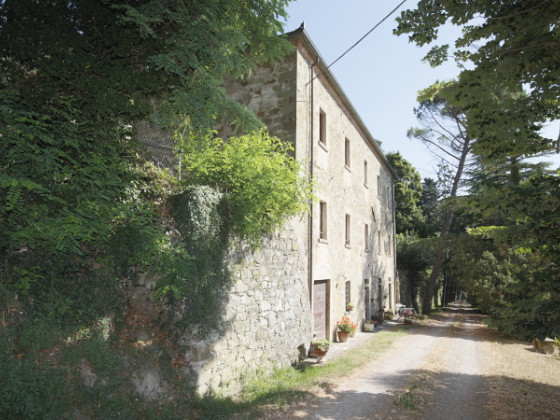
column 450, row 368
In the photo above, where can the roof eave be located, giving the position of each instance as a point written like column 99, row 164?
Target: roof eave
column 304, row 36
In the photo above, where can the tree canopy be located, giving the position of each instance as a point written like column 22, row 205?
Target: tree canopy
column 75, row 77
column 408, row 190
column 508, row 88
column 508, row 47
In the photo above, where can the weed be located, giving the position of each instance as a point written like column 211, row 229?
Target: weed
column 407, row 400
column 411, row 398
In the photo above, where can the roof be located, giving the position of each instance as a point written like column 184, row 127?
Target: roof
column 302, row 34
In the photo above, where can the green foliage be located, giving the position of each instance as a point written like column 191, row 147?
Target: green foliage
column 192, row 270
column 79, row 209
column 512, row 268
column 414, row 258
column 28, row 391
column 508, row 90
column 321, row 344
column 262, row 184
column 429, row 204
column 408, row 191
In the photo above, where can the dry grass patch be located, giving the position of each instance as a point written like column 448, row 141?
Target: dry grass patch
column 522, row 383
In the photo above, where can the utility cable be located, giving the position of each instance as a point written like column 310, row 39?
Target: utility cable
column 369, row 32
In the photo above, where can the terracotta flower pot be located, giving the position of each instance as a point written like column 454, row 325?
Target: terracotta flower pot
column 319, row 354
column 342, row 336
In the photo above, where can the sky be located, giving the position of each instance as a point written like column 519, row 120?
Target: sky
column 382, row 75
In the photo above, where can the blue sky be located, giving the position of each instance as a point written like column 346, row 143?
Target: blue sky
column 383, row 74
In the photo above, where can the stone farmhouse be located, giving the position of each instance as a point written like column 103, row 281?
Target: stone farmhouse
column 305, row 276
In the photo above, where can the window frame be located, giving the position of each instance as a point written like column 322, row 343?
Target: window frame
column 347, row 229
column 322, row 127
column 347, row 157
column 323, row 221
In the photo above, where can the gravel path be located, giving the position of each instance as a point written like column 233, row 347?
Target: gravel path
column 435, row 372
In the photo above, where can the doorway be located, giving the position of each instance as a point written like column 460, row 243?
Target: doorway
column 367, row 304
column 320, row 308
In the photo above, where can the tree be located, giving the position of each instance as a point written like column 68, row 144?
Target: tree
column 408, row 191
column 259, row 179
column 445, row 132
column 507, row 47
column 513, row 255
column 508, row 89
column 74, row 78
column 429, row 204
column 414, row 258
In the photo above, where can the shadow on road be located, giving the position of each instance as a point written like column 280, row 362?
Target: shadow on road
column 424, row 395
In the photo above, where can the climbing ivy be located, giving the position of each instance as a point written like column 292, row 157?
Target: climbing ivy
column 80, row 208
column 262, row 183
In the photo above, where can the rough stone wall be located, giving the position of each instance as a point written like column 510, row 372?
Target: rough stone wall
column 271, row 94
column 265, row 319
column 267, row 316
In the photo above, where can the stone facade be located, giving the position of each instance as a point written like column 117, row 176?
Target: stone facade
column 351, row 228
column 298, row 284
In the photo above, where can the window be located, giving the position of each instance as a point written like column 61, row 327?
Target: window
column 347, row 230
column 347, row 153
column 366, row 237
column 322, row 220
column 365, row 173
column 389, row 245
column 388, row 198
column 378, row 186
column 322, row 127
column 379, row 242
column 347, row 295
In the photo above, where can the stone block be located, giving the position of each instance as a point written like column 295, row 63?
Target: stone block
column 198, row 352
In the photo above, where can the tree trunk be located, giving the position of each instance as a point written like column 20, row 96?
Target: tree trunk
column 431, row 288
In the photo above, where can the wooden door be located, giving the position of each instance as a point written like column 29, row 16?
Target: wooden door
column 320, row 301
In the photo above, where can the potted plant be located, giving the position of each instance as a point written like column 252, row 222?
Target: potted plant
column 369, row 324
column 388, row 315
column 354, row 329
column 320, row 348
column 349, row 306
column 344, row 328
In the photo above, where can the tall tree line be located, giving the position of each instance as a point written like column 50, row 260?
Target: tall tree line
column 500, row 243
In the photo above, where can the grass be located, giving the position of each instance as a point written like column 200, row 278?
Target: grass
column 287, row 385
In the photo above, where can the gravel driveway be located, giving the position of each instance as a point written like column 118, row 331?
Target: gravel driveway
column 436, row 372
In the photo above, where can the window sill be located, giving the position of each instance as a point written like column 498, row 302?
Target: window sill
column 323, row 146
column 323, row 241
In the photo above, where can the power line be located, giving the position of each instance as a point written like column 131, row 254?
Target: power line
column 369, row 32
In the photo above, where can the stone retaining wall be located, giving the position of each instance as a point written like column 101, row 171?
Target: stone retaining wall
column 266, row 317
